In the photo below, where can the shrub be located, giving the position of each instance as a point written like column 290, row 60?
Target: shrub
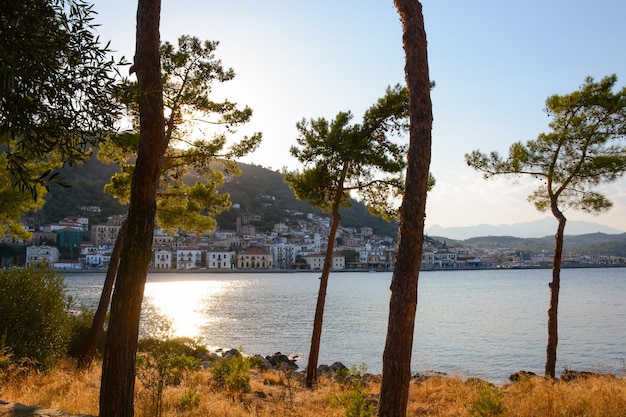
column 33, row 307
column 189, row 400
column 80, row 328
column 233, row 373
column 354, row 400
column 163, row 363
column 489, row 403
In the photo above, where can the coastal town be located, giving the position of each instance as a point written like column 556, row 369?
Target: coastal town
column 72, row 244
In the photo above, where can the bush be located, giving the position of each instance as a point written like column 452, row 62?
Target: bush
column 33, row 307
column 163, row 363
column 233, row 373
column 489, row 403
column 189, row 400
column 80, row 327
column 354, row 400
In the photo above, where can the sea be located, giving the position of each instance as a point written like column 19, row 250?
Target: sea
column 485, row 323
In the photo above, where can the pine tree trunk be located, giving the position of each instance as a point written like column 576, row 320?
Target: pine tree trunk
column 316, row 337
column 555, row 287
column 403, row 303
column 91, row 344
column 118, row 369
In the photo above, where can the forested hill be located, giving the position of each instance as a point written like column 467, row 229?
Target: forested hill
column 257, row 191
column 262, row 191
column 87, row 189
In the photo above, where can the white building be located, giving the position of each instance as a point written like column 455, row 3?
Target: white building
column 38, row 256
column 316, row 261
column 94, row 260
column 188, row 257
column 163, row 259
column 284, row 254
column 220, row 259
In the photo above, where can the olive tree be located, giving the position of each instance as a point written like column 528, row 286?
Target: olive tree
column 585, row 148
column 342, row 159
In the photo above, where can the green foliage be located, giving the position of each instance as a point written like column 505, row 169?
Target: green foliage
column 341, row 158
column 233, row 374
column 356, row 403
column 57, row 85
column 489, row 403
column 163, row 363
column 354, row 400
column 188, row 74
column 14, row 203
column 189, row 400
column 33, row 307
column 80, row 326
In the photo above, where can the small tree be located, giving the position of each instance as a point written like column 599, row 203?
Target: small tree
column 584, row 149
column 340, row 159
column 165, row 362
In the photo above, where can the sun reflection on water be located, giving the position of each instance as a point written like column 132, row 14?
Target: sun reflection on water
column 181, row 302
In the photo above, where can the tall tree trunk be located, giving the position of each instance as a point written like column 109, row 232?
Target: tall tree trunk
column 118, row 368
column 555, row 287
column 394, row 392
column 311, row 368
column 91, row 344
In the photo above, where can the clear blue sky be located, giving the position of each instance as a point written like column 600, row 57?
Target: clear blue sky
column 494, row 63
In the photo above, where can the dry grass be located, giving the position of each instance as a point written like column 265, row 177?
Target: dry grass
column 278, row 394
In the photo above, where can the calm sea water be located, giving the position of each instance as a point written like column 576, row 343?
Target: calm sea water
column 485, row 323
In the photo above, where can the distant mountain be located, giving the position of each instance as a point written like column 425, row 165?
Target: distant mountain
column 534, row 229
column 590, row 244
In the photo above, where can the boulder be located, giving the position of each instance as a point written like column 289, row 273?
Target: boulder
column 282, row 362
column 521, row 375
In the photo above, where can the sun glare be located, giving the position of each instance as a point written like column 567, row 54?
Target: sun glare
column 181, row 302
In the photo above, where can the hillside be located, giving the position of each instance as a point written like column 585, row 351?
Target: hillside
column 258, row 191
column 87, row 182
column 262, row 191
column 592, row 243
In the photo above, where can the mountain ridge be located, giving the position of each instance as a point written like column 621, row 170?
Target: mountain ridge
column 531, row 229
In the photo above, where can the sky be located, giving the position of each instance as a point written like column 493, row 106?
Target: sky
column 494, row 64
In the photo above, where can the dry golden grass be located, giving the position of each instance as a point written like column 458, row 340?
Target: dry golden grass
column 278, row 394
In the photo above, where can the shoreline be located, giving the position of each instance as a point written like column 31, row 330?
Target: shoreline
column 291, row 271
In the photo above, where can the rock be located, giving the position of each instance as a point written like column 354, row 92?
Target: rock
column 323, row 369
column 261, row 362
column 569, row 375
column 229, row 354
column 328, row 369
column 521, row 375
column 418, row 377
column 17, row 409
column 282, row 362
column 479, row 382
